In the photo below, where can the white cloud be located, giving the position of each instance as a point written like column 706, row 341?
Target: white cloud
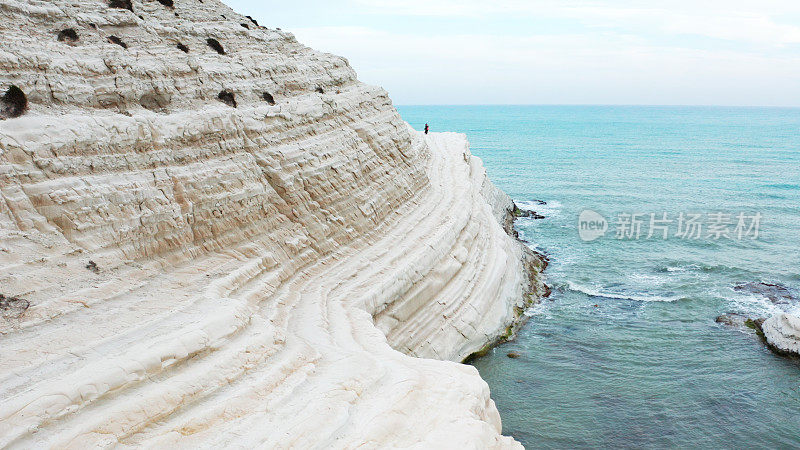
column 736, row 20
column 603, row 67
column 745, row 28
column 731, row 52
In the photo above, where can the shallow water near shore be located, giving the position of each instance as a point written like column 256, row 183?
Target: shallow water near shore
column 626, row 352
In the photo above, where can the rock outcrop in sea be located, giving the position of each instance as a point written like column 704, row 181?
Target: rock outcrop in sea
column 780, row 331
column 212, row 235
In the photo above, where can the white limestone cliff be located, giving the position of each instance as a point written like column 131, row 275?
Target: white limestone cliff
column 186, row 264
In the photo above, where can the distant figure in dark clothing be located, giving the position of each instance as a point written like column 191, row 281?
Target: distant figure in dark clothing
column 426, row 128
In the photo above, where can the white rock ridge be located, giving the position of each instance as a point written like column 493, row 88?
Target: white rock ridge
column 782, row 332
column 206, row 269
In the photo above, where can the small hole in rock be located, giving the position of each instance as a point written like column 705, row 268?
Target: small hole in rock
column 14, row 102
column 121, row 4
column 177, row 15
column 93, row 25
column 183, row 48
column 68, row 36
column 223, row 16
column 118, row 41
column 167, row 3
column 320, row 90
column 252, row 20
column 154, row 101
column 93, row 266
column 245, row 25
column 227, row 98
column 13, row 307
column 214, row 44
column 268, row 98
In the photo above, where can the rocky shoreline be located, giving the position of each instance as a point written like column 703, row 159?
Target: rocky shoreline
column 780, row 332
column 534, row 263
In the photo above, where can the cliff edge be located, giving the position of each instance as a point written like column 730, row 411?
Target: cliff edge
column 213, row 236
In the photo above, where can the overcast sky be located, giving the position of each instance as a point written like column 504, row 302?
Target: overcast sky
column 690, row 52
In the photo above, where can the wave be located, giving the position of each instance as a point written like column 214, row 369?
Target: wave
column 703, row 268
column 787, row 186
column 592, row 292
column 537, row 205
column 750, row 304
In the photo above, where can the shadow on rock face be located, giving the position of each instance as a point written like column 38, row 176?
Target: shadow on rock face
column 155, row 101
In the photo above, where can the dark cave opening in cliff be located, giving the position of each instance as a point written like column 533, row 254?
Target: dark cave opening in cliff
column 115, row 40
column 68, row 36
column 215, row 45
column 14, row 102
column 227, row 98
column 121, row 4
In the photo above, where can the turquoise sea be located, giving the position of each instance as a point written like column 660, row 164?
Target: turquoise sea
column 626, row 352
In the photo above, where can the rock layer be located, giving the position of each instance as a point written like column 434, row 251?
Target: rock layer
column 235, row 248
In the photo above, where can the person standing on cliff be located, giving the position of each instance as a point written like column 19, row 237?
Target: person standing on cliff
column 426, row 128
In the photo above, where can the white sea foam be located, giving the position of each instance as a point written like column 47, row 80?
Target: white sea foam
column 648, row 279
column 753, row 304
column 595, row 292
column 552, row 208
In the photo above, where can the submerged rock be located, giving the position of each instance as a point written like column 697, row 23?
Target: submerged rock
column 513, row 354
column 732, row 320
column 776, row 293
column 740, row 321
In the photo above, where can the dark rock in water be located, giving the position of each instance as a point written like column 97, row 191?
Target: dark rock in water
column 776, row 293
column 518, row 212
column 513, row 355
column 732, row 320
column 755, row 324
column 531, row 214
column 740, row 321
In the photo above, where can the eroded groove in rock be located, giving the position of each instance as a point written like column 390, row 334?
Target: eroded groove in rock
column 266, row 275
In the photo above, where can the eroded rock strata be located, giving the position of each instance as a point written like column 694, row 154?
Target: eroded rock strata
column 222, row 238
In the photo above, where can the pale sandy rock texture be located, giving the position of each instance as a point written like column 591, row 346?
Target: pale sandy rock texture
column 299, row 275
column 782, row 332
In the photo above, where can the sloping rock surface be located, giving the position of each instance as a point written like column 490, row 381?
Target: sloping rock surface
column 243, row 248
